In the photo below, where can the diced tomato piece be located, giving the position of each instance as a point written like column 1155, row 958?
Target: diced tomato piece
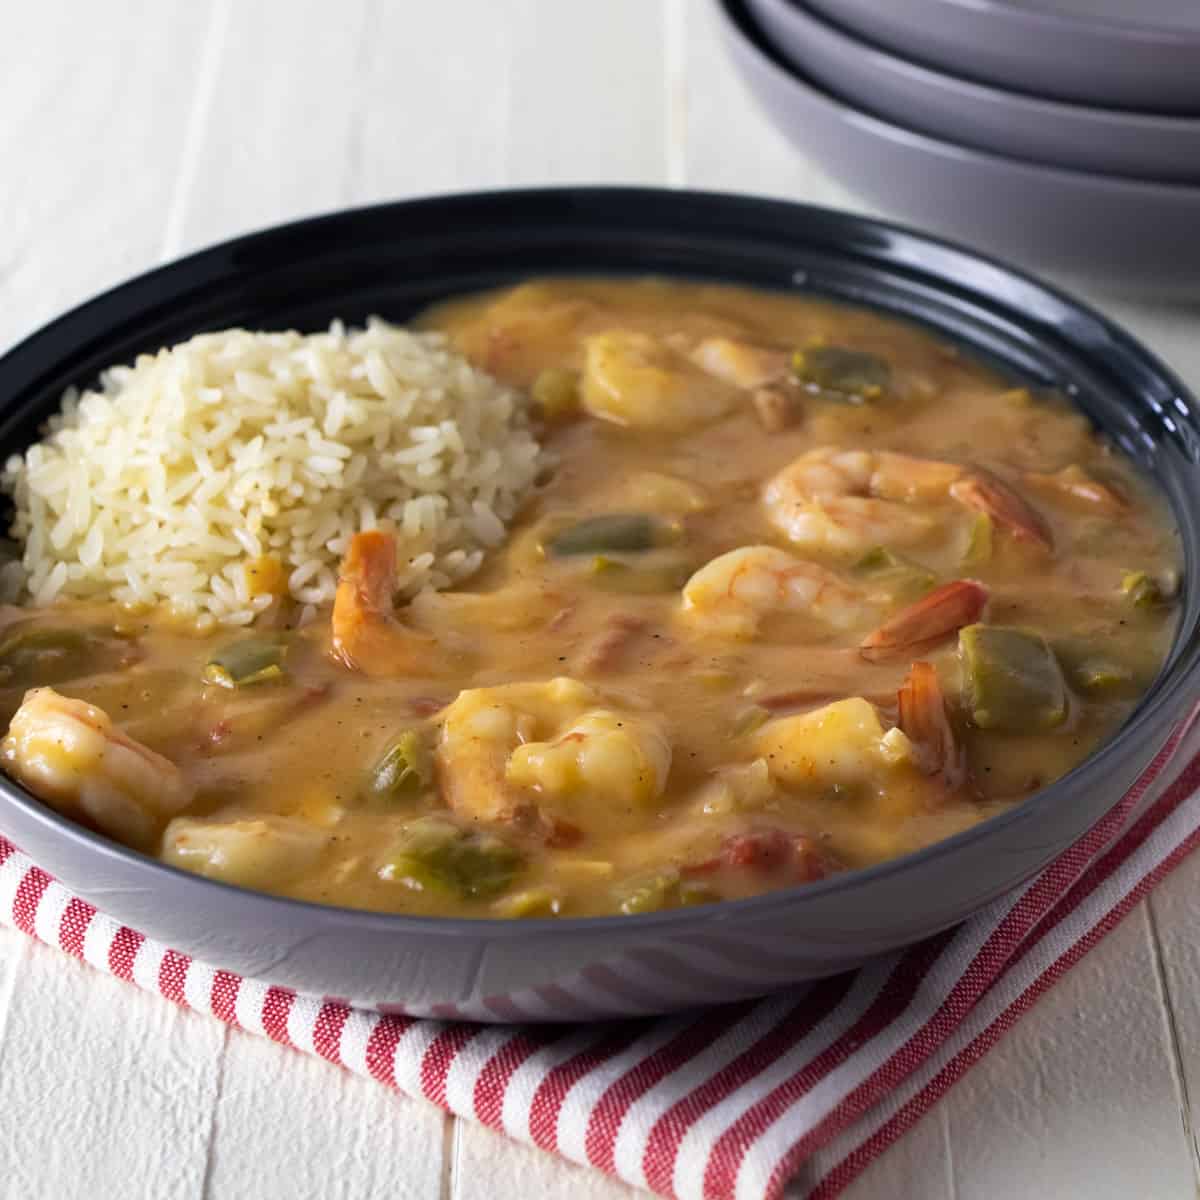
column 562, row 834
column 812, row 863
column 759, row 850
column 769, row 852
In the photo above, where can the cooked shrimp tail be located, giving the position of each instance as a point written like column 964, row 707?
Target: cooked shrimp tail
column 1074, row 484
column 850, row 500
column 929, row 621
column 984, row 492
column 923, row 719
column 367, row 635
column 71, row 755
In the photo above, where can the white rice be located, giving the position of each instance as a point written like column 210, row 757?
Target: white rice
column 160, row 487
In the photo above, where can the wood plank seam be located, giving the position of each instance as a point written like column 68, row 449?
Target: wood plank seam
column 450, row 1139
column 674, row 16
column 194, row 130
column 948, row 1149
column 210, row 1147
column 354, row 164
column 1178, row 1076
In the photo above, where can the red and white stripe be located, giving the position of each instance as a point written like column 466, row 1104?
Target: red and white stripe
column 809, row 1085
column 1105, row 893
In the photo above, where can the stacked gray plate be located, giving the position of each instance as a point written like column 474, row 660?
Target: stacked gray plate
column 1063, row 132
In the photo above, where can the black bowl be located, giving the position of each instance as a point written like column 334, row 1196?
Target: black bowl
column 395, row 259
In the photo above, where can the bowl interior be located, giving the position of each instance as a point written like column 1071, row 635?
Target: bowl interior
column 395, row 259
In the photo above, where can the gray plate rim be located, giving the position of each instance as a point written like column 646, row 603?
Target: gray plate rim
column 1120, row 186
column 1064, row 24
column 946, row 82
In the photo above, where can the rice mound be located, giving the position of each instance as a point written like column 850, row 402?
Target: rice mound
column 160, row 487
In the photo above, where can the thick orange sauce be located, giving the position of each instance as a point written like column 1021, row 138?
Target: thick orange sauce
column 700, row 778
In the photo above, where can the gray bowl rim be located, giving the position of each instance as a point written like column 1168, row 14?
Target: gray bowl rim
column 1166, row 692
column 947, row 83
column 1124, row 187
column 1065, row 24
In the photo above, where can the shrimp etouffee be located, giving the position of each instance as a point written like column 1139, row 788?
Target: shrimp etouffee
column 802, row 589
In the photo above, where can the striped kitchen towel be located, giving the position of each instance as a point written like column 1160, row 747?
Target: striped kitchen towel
column 798, row 1091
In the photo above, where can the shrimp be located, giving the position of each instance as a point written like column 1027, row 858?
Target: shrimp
column 633, row 379
column 553, row 752
column 253, row 852
column 763, row 371
column 734, row 592
column 923, row 719
column 1075, row 485
column 71, row 755
column 930, row 620
column 841, row 745
column 851, row 500
column 367, row 636
column 984, row 492
column 603, row 759
column 743, row 364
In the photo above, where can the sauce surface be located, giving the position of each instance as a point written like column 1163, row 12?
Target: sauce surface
column 804, row 589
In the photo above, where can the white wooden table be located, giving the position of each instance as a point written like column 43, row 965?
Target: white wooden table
column 130, row 133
